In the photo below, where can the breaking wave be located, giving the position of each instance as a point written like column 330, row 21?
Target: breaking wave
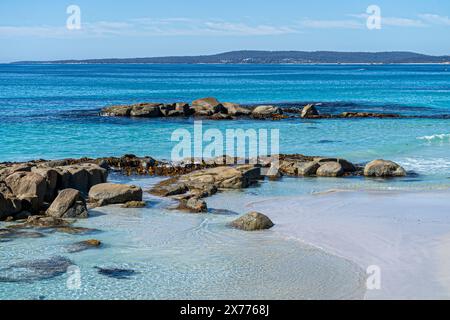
column 436, row 138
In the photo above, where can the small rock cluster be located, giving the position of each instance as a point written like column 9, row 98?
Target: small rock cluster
column 211, row 108
column 206, row 107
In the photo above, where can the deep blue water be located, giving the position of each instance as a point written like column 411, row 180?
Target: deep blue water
column 50, row 111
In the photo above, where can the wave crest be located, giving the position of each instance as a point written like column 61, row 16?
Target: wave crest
column 436, row 137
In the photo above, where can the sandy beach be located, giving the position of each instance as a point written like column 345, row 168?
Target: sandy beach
column 405, row 234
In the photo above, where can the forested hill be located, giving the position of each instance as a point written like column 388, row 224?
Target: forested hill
column 276, row 57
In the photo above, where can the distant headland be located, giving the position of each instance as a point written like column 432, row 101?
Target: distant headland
column 273, row 57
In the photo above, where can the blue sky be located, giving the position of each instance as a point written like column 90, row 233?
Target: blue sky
column 136, row 28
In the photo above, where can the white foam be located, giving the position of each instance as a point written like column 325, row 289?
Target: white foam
column 436, row 137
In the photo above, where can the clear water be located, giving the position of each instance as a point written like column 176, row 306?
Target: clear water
column 50, row 112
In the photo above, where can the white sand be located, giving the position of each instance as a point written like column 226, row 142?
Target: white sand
column 406, row 234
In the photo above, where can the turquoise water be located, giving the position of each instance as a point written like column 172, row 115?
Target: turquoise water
column 50, row 111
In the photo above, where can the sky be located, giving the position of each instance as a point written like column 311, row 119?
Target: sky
column 38, row 29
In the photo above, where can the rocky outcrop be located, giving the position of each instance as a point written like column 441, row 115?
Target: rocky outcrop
column 211, row 108
column 110, row 193
column 252, row 221
column 68, row 204
column 383, row 168
column 309, row 111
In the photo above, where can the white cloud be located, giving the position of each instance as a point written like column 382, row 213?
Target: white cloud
column 180, row 26
column 149, row 27
column 435, row 19
column 332, row 24
column 394, row 21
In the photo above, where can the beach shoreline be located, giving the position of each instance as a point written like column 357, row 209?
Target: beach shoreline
column 395, row 231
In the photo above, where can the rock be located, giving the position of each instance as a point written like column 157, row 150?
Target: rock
column 116, row 111
column 35, row 270
column 9, row 206
column 110, row 193
column 84, row 245
column 209, row 106
column 383, row 168
column 222, row 177
column 236, row 110
column 307, row 168
column 330, row 169
column 346, row 165
column 134, row 204
column 266, row 111
column 21, row 167
column 273, row 172
column 51, row 177
column 146, row 110
column 252, row 221
column 46, row 222
column 68, row 204
column 309, row 111
column 30, row 187
column 81, row 177
column 75, row 230
column 170, row 188
column 194, row 205
column 165, row 109
column 183, row 108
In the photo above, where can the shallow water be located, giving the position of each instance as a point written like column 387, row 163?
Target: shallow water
column 183, row 256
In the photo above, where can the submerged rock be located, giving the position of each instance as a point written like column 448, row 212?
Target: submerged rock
column 45, row 222
column 383, row 168
column 252, row 221
column 116, row 273
column 17, row 234
column 110, row 193
column 134, row 204
column 68, row 204
column 84, row 245
column 35, row 270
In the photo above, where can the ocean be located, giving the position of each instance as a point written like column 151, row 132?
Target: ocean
column 51, row 112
